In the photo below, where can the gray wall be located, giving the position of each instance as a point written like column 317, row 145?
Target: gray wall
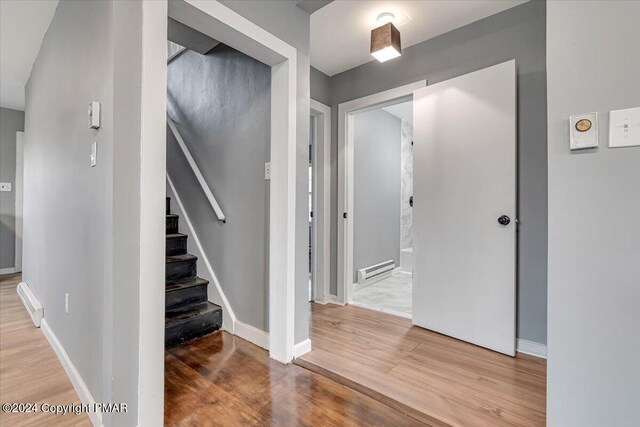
column 11, row 121
column 291, row 24
column 320, row 86
column 82, row 224
column 515, row 33
column 594, row 213
column 376, row 175
column 221, row 105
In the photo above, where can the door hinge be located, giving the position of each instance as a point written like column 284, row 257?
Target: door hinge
column 311, row 214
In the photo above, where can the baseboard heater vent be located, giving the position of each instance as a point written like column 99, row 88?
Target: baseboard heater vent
column 368, row 273
column 31, row 303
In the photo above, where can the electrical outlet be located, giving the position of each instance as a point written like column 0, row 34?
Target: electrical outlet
column 267, row 170
column 66, row 303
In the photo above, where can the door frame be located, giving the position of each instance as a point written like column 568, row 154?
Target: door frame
column 321, row 231
column 346, row 111
column 227, row 26
column 223, row 24
column 19, row 192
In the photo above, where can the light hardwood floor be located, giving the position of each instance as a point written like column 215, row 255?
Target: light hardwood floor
column 432, row 377
column 30, row 372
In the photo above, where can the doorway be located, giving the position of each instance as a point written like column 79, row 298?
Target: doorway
column 464, row 248
column 223, row 24
column 347, row 274
column 383, row 208
column 319, row 201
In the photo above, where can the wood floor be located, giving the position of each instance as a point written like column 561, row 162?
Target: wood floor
column 29, row 369
column 434, row 378
column 223, row 380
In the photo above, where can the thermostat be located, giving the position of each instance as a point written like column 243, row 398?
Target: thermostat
column 583, row 131
column 94, row 115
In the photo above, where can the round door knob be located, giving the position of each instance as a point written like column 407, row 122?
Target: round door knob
column 504, row 220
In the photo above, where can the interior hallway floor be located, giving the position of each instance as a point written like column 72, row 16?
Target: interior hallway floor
column 432, row 377
column 223, row 380
column 30, row 372
column 391, row 295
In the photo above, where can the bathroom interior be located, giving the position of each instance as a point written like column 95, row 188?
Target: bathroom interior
column 383, row 208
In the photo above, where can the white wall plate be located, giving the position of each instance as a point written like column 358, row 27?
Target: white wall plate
column 624, row 128
column 583, row 131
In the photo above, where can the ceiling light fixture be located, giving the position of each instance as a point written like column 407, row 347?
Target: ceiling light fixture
column 385, row 40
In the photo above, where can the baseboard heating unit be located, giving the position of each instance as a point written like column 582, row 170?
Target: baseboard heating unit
column 31, row 303
column 377, row 271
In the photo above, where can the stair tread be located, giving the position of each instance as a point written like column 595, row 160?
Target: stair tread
column 175, row 235
column 179, row 258
column 172, row 216
column 184, row 314
column 175, row 285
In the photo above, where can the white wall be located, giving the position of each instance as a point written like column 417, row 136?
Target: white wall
column 593, row 64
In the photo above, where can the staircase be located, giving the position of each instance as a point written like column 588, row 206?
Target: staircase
column 188, row 314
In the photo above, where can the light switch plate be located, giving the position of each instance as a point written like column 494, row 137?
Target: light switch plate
column 583, row 131
column 5, row 186
column 93, row 157
column 267, row 170
column 624, row 128
column 66, row 303
column 94, row 115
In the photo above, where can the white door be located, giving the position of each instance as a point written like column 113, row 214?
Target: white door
column 464, row 210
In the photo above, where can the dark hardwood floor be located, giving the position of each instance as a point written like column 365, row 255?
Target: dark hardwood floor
column 224, row 380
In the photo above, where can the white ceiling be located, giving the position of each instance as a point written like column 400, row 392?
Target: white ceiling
column 341, row 30
column 402, row 111
column 23, row 25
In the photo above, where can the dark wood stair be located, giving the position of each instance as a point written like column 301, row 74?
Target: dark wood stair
column 188, row 314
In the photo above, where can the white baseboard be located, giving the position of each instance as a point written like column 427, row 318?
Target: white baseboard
column 8, row 270
column 78, row 383
column 532, row 348
column 251, row 334
column 31, row 303
column 302, row 348
column 333, row 300
column 376, row 279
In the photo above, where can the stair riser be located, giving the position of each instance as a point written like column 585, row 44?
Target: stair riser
column 176, row 246
column 184, row 297
column 172, row 225
column 180, row 270
column 192, row 329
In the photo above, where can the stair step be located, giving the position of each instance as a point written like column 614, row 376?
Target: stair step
column 185, row 324
column 181, row 293
column 176, row 244
column 180, row 267
column 172, row 224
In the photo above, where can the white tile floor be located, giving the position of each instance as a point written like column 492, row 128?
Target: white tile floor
column 391, row 295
